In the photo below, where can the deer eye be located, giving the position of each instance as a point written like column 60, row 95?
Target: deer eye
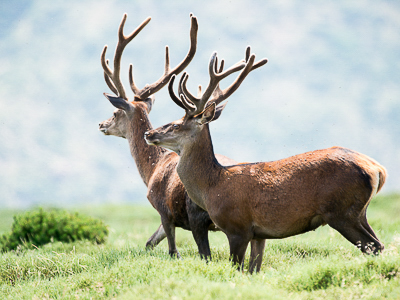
column 115, row 115
column 176, row 126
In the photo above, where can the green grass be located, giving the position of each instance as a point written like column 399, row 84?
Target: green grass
column 317, row 265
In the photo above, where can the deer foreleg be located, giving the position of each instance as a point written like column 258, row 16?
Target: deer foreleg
column 199, row 221
column 238, row 246
column 169, row 229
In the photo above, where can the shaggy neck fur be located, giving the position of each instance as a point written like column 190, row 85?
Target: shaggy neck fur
column 145, row 156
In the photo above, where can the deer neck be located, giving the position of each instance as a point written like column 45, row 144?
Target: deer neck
column 145, row 156
column 198, row 168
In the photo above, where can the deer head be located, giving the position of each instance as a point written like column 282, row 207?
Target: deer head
column 143, row 98
column 203, row 109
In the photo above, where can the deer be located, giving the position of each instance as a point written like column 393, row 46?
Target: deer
column 267, row 200
column 156, row 165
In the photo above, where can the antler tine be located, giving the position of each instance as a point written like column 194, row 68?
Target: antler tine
column 104, row 63
column 172, row 93
column 123, row 40
column 109, row 82
column 168, row 73
column 248, row 50
column 180, row 84
column 166, row 68
column 257, row 64
column 190, row 107
column 183, row 89
column 134, row 88
column 221, row 67
column 250, row 66
column 182, row 101
column 217, row 90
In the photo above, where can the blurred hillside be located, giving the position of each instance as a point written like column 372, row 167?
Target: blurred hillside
column 332, row 79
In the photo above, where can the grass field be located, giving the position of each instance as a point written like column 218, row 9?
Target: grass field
column 316, row 265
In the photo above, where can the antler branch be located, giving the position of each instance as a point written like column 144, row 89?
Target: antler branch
column 220, row 95
column 168, row 72
column 172, row 93
column 215, row 77
column 112, row 77
column 186, row 100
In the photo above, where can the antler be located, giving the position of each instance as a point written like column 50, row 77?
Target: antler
column 220, row 95
column 168, row 72
column 195, row 105
column 112, row 78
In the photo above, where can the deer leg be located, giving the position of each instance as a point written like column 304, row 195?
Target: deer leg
column 170, row 232
column 256, row 255
column 200, row 235
column 359, row 236
column 156, row 238
column 364, row 223
column 199, row 221
column 238, row 246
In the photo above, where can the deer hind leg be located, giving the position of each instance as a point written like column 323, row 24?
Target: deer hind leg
column 170, row 232
column 355, row 233
column 256, row 255
column 238, row 246
column 364, row 223
column 156, row 238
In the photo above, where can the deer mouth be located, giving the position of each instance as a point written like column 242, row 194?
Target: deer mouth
column 103, row 130
column 151, row 140
column 154, row 142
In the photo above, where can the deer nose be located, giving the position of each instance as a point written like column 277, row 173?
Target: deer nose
column 147, row 134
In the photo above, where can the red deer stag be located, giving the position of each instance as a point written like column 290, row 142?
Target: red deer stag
column 269, row 200
column 156, row 166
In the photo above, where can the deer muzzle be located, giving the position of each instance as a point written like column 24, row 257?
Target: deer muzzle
column 103, row 128
column 150, row 138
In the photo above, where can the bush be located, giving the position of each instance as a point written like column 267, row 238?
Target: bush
column 40, row 227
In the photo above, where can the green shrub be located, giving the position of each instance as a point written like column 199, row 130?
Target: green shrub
column 40, row 227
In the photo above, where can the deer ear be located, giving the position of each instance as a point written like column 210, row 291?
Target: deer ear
column 207, row 115
column 149, row 102
column 119, row 102
column 218, row 111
